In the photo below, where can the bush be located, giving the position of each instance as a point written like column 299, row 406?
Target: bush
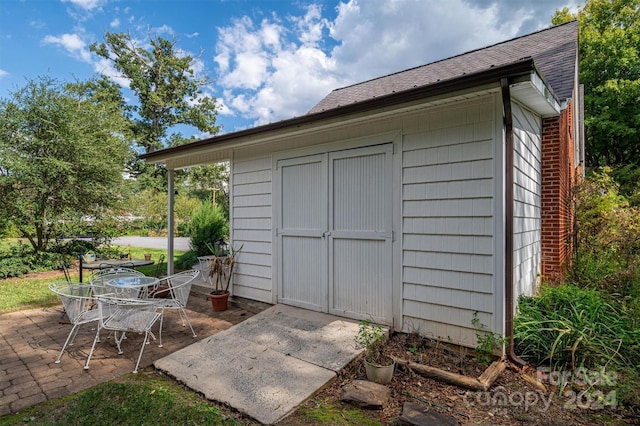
column 13, row 267
column 20, row 259
column 569, row 327
column 607, row 246
column 208, row 224
column 187, row 260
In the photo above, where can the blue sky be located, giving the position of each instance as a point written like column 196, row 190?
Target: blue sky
column 269, row 60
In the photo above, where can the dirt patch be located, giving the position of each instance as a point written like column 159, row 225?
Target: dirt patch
column 510, row 401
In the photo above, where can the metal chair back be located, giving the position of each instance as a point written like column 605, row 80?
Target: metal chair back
column 159, row 266
column 65, row 269
column 172, row 292
column 78, row 304
column 125, row 315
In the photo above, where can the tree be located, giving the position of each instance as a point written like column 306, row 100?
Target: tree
column 164, row 81
column 62, row 152
column 610, row 71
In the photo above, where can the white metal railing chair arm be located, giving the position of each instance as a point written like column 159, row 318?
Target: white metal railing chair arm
column 172, row 292
column 125, row 315
column 78, row 304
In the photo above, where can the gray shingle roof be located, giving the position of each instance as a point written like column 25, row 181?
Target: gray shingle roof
column 554, row 51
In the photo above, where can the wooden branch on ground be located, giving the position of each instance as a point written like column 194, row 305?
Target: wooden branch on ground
column 534, row 382
column 482, row 383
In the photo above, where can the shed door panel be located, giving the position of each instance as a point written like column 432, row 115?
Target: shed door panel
column 334, row 233
column 303, row 259
column 360, row 234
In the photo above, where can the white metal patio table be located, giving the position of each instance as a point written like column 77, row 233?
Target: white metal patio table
column 132, row 287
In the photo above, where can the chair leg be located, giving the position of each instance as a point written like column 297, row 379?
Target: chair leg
column 146, row 337
column 160, row 332
column 95, row 340
column 119, row 340
column 66, row 342
column 74, row 334
column 184, row 315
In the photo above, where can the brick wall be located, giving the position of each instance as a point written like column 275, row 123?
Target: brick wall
column 558, row 175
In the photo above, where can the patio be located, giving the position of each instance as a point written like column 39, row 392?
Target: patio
column 31, row 339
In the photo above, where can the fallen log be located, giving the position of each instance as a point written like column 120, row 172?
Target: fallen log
column 490, row 375
column 534, row 382
column 482, row 383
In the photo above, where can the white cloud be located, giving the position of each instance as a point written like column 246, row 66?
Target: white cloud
column 164, row 29
column 37, row 23
column 85, row 4
column 269, row 71
column 105, row 67
column 72, row 43
column 3, row 73
column 115, row 23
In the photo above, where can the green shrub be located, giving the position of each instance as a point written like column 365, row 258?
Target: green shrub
column 208, row 224
column 187, row 260
column 20, row 259
column 607, row 244
column 568, row 327
column 13, row 267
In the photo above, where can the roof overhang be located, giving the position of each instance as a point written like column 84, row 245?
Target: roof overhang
column 528, row 87
column 535, row 93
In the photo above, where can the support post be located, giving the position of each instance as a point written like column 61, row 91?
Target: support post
column 170, row 221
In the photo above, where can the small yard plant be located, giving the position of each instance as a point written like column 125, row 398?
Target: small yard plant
column 371, row 337
column 487, row 342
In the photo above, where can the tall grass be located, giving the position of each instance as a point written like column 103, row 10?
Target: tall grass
column 568, row 327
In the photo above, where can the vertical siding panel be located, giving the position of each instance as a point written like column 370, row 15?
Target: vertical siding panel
column 252, row 198
column 448, row 214
column 527, row 226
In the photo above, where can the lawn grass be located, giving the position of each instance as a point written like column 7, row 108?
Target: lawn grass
column 27, row 293
column 33, row 292
column 133, row 399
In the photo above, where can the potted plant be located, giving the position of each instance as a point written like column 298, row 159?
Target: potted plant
column 220, row 273
column 378, row 366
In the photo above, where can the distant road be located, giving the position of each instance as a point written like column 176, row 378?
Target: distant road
column 179, row 243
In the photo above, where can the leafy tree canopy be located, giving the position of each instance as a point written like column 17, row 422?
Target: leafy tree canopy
column 62, row 152
column 164, row 81
column 609, row 34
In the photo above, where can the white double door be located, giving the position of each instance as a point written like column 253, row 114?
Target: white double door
column 334, row 232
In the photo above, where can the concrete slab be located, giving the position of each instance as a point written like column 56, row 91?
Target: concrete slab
column 269, row 364
column 321, row 339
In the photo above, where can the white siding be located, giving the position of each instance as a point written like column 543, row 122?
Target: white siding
column 527, row 181
column 252, row 223
column 446, row 218
column 448, row 189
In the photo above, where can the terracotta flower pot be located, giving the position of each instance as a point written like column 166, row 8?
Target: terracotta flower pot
column 147, row 256
column 219, row 302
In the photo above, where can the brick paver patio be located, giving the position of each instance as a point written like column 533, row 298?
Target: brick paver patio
column 31, row 339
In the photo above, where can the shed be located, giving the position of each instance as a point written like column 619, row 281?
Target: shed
column 426, row 200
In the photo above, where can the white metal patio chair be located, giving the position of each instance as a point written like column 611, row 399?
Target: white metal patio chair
column 206, row 264
column 77, row 301
column 124, row 316
column 172, row 292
